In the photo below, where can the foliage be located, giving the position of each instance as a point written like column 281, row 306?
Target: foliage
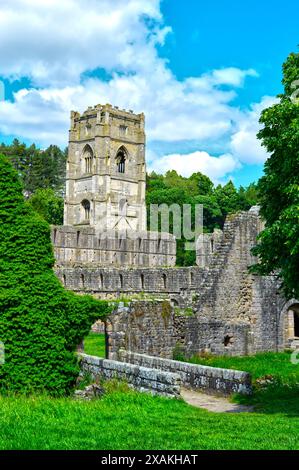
column 37, row 169
column 198, row 189
column 40, row 323
column 47, row 204
column 278, row 247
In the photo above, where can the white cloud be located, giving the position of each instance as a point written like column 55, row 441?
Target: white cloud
column 186, row 164
column 244, row 143
column 54, row 42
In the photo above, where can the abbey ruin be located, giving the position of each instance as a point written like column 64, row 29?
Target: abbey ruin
column 104, row 249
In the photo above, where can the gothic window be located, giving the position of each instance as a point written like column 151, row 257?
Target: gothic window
column 88, row 159
column 86, row 208
column 121, row 160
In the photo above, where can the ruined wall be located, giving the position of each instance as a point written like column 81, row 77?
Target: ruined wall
column 219, row 309
column 146, row 327
column 196, row 377
column 140, row 378
column 75, row 247
column 177, row 284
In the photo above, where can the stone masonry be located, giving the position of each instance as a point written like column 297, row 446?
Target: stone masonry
column 220, row 308
column 103, row 249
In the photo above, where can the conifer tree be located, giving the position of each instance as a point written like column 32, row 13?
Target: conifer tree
column 41, row 323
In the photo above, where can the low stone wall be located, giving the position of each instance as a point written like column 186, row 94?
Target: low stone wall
column 141, row 378
column 208, row 379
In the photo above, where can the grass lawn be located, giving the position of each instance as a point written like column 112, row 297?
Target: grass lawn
column 130, row 420
column 94, row 344
column 278, row 365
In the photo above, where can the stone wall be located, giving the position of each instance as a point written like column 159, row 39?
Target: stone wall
column 141, row 378
column 142, row 326
column 193, row 376
column 219, row 308
column 75, row 247
column 176, row 284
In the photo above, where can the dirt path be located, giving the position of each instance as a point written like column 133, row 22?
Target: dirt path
column 212, row 403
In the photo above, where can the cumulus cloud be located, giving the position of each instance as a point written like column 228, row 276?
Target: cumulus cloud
column 186, row 164
column 55, row 41
column 62, row 45
column 244, row 144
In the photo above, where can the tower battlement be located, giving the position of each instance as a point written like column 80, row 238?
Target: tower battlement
column 105, row 194
column 106, row 170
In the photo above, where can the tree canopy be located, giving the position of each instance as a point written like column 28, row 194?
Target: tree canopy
column 278, row 247
column 198, row 189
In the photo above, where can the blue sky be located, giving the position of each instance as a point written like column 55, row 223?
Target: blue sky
column 201, row 71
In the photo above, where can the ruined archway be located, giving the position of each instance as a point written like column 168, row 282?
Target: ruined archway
column 290, row 323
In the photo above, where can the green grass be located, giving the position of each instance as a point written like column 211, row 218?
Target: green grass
column 94, row 344
column 130, row 420
column 276, row 364
column 137, row 421
column 282, row 396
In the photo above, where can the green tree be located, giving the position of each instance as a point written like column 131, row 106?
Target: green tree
column 228, row 199
column 40, row 322
column 278, row 247
column 37, row 168
column 47, row 204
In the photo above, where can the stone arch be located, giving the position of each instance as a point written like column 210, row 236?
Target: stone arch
column 88, row 158
column 121, row 159
column 86, row 209
column 289, row 323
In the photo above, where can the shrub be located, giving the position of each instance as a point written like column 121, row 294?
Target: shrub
column 40, row 322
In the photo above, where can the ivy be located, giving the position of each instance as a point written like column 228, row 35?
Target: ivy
column 41, row 323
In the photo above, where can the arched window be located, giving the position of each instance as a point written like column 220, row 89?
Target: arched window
column 121, row 281
column 88, row 159
column 86, row 208
column 142, row 281
column 164, row 277
column 101, row 281
column 82, row 279
column 121, row 160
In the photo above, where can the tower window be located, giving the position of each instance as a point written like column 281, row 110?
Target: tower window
column 86, row 207
column 88, row 158
column 123, row 130
column 121, row 161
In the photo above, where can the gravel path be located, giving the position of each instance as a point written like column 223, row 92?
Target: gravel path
column 212, row 403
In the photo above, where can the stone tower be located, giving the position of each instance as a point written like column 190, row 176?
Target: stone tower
column 105, row 180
